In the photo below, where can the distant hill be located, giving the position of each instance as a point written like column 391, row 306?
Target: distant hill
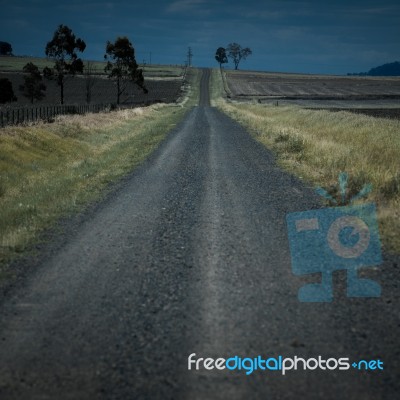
column 390, row 69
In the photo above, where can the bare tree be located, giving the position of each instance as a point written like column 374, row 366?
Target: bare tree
column 237, row 53
column 90, row 79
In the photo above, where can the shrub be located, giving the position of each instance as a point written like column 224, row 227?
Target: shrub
column 6, row 91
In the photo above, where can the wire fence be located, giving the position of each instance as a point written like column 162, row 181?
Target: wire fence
column 25, row 115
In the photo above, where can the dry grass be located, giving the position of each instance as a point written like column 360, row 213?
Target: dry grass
column 318, row 145
column 51, row 170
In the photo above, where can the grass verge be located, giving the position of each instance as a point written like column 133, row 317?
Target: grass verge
column 317, row 145
column 48, row 171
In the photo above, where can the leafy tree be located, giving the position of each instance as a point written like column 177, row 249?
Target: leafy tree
column 63, row 49
column 237, row 53
column 33, row 87
column 5, row 49
column 220, row 56
column 6, row 91
column 122, row 66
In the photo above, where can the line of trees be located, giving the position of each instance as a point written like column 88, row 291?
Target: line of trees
column 63, row 49
column 234, row 51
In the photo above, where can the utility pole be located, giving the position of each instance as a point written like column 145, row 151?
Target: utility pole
column 189, row 57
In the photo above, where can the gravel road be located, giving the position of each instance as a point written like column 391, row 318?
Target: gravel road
column 190, row 255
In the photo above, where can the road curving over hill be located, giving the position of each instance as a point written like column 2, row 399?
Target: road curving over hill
column 190, row 255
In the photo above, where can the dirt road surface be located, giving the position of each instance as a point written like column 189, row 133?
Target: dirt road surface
column 190, row 255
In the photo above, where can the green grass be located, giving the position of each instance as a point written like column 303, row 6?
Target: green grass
column 317, row 145
column 48, row 171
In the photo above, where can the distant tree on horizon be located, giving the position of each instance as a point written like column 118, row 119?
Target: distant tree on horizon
column 220, row 56
column 122, row 65
column 5, row 49
column 63, row 50
column 237, row 53
column 33, row 87
column 6, row 91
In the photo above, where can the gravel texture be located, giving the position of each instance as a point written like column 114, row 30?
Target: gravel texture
column 190, row 255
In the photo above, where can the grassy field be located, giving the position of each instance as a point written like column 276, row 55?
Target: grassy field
column 317, row 145
column 16, row 64
column 52, row 170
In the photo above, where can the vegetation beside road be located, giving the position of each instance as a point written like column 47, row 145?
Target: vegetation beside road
column 317, row 145
column 52, row 170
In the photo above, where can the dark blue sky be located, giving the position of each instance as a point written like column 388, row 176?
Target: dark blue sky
column 314, row 36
